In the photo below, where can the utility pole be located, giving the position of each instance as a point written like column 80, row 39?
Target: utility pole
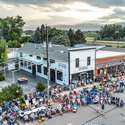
column 47, row 56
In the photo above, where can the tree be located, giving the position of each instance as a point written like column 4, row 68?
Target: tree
column 111, row 32
column 37, row 36
column 10, row 92
column 12, row 28
column 3, row 51
column 79, row 37
column 14, row 44
column 71, row 36
column 40, row 86
column 42, row 33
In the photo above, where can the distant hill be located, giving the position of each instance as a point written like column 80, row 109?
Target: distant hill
column 83, row 27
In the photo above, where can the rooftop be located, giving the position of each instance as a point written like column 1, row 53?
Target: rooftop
column 105, row 54
column 57, row 52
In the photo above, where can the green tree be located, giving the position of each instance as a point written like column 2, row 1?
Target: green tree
column 37, row 36
column 10, row 92
column 79, row 37
column 111, row 32
column 12, row 28
column 40, row 86
column 14, row 44
column 3, row 51
column 71, row 36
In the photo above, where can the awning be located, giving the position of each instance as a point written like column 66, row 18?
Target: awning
column 109, row 64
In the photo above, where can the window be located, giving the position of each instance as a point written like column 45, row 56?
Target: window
column 39, row 69
column 29, row 65
column 21, row 63
column 45, row 59
column 52, row 61
column 88, row 61
column 59, row 75
column 45, row 70
column 77, row 62
column 38, row 57
column 21, row 54
column 30, row 55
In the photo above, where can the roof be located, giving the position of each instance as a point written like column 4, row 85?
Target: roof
column 106, row 54
column 113, row 49
column 56, row 52
column 89, row 45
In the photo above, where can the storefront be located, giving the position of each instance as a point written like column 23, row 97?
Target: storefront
column 109, row 64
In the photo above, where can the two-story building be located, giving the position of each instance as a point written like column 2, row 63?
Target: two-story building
column 66, row 64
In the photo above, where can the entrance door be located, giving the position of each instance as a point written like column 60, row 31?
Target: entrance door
column 34, row 69
column 84, row 77
column 52, row 75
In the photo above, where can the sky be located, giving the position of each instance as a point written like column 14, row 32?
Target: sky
column 69, row 12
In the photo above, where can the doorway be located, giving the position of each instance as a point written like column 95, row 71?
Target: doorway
column 52, row 75
column 34, row 69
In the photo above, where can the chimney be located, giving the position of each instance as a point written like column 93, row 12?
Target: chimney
column 50, row 44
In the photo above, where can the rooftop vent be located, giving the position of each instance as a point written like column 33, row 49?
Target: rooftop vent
column 61, row 51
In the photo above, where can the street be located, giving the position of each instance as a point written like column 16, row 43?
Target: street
column 113, row 116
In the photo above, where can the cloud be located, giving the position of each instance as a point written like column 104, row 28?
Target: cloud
column 105, row 3
column 36, row 12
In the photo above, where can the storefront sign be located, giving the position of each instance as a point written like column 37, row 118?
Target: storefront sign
column 83, row 68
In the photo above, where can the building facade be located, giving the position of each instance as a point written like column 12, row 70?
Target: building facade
column 66, row 64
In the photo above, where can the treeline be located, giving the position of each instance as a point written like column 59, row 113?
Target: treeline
column 56, row 36
column 112, row 32
column 11, row 30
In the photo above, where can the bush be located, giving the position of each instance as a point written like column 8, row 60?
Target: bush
column 40, row 86
column 2, row 77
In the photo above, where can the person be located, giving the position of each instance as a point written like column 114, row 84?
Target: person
column 103, row 106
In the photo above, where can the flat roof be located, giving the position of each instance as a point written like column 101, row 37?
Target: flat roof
column 105, row 54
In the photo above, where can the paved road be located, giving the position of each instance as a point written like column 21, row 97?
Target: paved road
column 111, row 117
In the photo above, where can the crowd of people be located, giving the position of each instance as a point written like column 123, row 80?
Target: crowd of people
column 37, row 107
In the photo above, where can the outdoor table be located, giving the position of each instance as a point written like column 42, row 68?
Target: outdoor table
column 22, row 80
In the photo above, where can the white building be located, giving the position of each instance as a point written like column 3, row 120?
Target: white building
column 66, row 64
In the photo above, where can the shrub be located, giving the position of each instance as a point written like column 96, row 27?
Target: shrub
column 40, row 86
column 2, row 78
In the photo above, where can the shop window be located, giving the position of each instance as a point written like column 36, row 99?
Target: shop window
column 88, row 61
column 39, row 69
column 29, row 65
column 77, row 62
column 59, row 75
column 38, row 57
column 45, row 70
